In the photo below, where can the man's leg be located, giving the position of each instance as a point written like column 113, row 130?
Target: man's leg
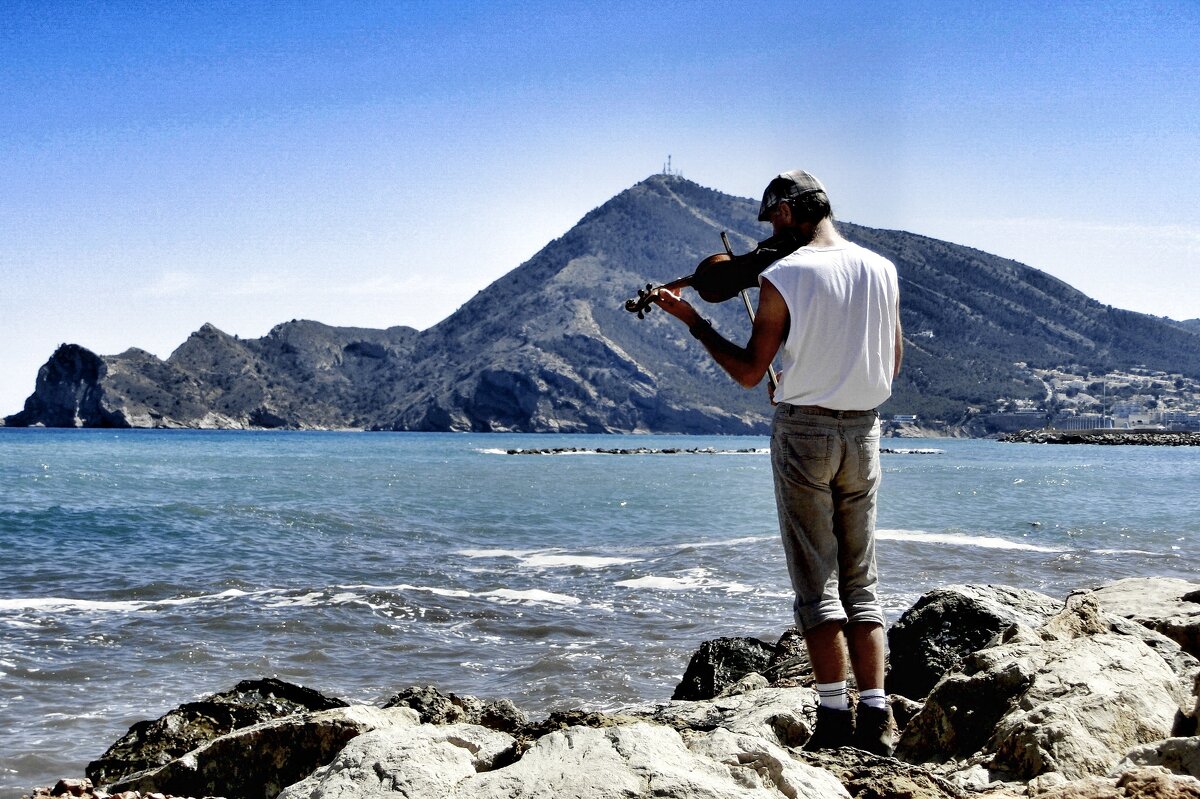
column 827, row 651
column 866, row 641
column 873, row 726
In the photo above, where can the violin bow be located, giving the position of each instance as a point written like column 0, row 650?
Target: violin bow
column 750, row 312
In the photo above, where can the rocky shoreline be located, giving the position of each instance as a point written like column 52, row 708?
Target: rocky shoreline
column 1153, row 438
column 997, row 692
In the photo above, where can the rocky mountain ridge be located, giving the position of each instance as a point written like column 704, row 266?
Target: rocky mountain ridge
column 549, row 348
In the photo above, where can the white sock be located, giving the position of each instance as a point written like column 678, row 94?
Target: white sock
column 873, row 697
column 833, row 694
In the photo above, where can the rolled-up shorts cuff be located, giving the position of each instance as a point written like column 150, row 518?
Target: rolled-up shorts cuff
column 827, row 610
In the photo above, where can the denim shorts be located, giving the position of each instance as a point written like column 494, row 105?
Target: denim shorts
column 826, row 467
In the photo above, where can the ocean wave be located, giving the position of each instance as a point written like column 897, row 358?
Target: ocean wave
column 62, row 604
column 961, row 540
column 550, row 558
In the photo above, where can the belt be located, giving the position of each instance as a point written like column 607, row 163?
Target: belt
column 817, row 410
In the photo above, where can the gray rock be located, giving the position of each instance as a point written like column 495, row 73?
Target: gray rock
column 945, row 625
column 790, row 661
column 1177, row 755
column 783, row 715
column 720, row 663
column 1165, row 605
column 751, row 682
column 155, row 743
column 435, row 707
column 1141, row 783
column 1072, row 697
column 868, row 776
column 257, row 762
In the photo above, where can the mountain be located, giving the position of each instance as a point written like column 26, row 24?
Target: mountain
column 549, row 347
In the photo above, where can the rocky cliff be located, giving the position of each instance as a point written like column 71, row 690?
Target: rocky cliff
column 549, row 347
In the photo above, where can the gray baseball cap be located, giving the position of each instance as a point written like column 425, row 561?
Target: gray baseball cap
column 787, row 186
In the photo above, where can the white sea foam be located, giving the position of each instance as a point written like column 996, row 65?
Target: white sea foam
column 454, row 592
column 311, row 599
column 495, row 553
column 532, row 595
column 961, row 540
column 232, row 593
column 60, row 604
column 549, row 558
column 728, row 542
column 694, row 580
column 68, row 604
column 581, row 561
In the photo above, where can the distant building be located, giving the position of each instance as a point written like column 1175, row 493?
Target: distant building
column 904, row 418
column 1180, row 420
column 1082, row 421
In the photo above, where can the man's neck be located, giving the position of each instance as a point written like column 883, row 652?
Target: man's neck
column 826, row 235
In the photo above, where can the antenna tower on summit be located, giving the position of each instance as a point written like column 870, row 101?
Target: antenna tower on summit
column 668, row 170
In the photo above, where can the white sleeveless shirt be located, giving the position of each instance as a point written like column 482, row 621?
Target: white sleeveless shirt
column 840, row 349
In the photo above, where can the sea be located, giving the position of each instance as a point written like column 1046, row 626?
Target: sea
column 143, row 569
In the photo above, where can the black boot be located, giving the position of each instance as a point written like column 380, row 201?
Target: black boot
column 834, row 729
column 873, row 730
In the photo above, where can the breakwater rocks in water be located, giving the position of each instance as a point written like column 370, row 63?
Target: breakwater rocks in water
column 997, row 692
column 1155, row 438
column 636, row 451
column 687, row 451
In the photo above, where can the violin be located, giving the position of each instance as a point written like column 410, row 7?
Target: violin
column 722, row 276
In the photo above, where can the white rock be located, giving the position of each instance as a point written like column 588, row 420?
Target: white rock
column 427, row 760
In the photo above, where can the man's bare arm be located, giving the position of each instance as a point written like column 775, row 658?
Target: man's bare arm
column 747, row 364
column 899, row 343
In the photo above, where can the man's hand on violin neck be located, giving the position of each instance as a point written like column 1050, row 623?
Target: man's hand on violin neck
column 681, row 309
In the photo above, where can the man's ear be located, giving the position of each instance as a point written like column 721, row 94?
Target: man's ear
column 785, row 214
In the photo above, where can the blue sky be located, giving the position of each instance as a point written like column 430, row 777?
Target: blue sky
column 167, row 164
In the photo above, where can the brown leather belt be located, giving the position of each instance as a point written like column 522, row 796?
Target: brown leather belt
column 817, row 410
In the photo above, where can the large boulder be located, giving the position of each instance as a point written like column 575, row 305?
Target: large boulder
column 720, row 663
column 257, row 762
column 1164, row 604
column 945, row 625
column 154, row 743
column 422, row 761
column 1071, row 697
column 647, row 760
column 636, row 760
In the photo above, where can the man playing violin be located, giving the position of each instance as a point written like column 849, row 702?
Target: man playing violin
column 833, row 308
